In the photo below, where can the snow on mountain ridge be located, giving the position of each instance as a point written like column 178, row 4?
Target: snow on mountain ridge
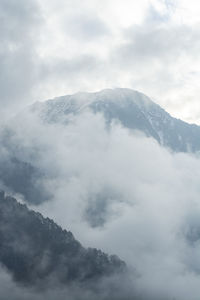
column 82, row 100
column 132, row 109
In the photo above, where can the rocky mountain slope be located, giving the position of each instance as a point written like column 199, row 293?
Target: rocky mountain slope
column 132, row 109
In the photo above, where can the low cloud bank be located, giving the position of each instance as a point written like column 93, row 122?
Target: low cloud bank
column 119, row 191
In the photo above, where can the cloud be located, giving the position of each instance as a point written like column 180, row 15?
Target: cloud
column 114, row 189
column 86, row 28
column 164, row 44
column 18, row 58
column 50, row 49
column 147, row 209
column 12, row 291
column 120, row 191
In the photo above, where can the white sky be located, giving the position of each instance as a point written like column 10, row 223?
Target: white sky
column 56, row 47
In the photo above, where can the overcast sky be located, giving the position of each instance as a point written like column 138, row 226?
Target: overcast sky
column 55, row 47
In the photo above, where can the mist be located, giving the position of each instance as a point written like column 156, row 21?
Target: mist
column 119, row 191
column 115, row 188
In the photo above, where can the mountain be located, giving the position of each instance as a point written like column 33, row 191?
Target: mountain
column 35, row 250
column 132, row 109
column 23, row 166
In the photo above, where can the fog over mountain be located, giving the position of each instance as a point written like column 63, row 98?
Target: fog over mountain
column 118, row 172
column 38, row 253
column 99, row 150
column 34, row 248
column 26, row 138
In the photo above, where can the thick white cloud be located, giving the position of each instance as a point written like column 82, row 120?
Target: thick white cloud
column 121, row 192
column 145, row 199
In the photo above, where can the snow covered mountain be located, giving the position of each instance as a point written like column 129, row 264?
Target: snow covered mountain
column 132, row 109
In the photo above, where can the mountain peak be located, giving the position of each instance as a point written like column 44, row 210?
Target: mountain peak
column 115, row 94
column 131, row 108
